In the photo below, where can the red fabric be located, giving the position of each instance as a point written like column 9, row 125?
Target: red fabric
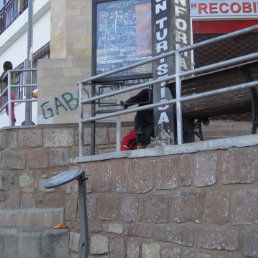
column 129, row 142
column 13, row 97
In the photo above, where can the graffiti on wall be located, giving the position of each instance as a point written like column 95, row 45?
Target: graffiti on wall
column 69, row 101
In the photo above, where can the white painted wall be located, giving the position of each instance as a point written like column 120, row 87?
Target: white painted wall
column 13, row 47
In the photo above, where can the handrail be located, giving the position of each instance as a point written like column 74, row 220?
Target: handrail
column 10, row 86
column 177, row 77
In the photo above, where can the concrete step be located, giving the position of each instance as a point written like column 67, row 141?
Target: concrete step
column 226, row 129
column 33, row 243
column 35, row 218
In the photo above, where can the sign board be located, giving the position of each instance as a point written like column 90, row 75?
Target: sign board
column 218, row 8
column 122, row 36
column 171, row 25
column 62, row 178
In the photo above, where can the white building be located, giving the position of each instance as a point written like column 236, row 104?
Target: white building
column 13, row 42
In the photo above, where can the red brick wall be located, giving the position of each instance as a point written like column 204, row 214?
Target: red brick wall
column 202, row 204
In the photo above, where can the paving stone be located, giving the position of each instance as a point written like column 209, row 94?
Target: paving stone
column 205, row 168
column 119, row 170
column 133, row 248
column 129, row 210
column 141, row 175
column 170, row 252
column 151, row 250
column 117, row 248
column 36, row 158
column 156, row 208
column 238, row 166
column 218, row 238
column 58, row 137
column 217, row 207
column 140, row 230
column 250, row 243
column 182, row 235
column 30, row 138
column 98, row 244
column 244, row 207
column 115, row 228
column 189, row 206
column 108, row 207
column 13, row 159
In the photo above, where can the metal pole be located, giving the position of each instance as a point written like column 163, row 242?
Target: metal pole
column 80, row 125
column 28, row 106
column 118, row 125
column 83, row 216
column 9, row 81
column 178, row 102
column 93, row 124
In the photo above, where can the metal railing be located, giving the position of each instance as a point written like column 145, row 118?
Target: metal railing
column 177, row 77
column 9, row 88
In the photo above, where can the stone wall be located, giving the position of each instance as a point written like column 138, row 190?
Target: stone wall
column 200, row 204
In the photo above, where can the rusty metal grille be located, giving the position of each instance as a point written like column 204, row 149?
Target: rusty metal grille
column 225, row 49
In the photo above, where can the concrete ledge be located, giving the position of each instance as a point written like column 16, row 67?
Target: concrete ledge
column 27, row 242
column 226, row 143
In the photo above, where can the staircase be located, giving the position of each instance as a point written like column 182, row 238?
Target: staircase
column 29, row 233
column 226, row 129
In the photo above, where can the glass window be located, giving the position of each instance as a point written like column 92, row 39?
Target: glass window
column 1, row 4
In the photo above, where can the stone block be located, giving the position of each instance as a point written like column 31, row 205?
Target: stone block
column 108, row 207
column 189, row 206
column 75, row 241
column 8, row 139
column 173, row 171
column 58, row 157
column 14, row 159
column 7, row 180
column 71, row 206
column 205, row 168
column 58, row 137
column 244, row 207
column 133, row 248
column 98, row 244
column 117, row 248
column 156, row 208
column 141, row 172
column 189, row 254
column 51, row 200
column 151, row 250
column 94, row 227
column 36, row 158
column 101, row 178
column 140, row 230
column 217, row 207
column 119, row 170
column 91, row 206
column 182, row 235
column 250, row 243
column 101, row 136
column 27, row 179
column 28, row 201
column 238, row 166
column 129, row 210
column 218, row 238
column 30, row 138
column 14, row 200
column 115, row 228
column 170, row 252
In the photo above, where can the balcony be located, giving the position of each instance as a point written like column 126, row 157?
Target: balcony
column 10, row 11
